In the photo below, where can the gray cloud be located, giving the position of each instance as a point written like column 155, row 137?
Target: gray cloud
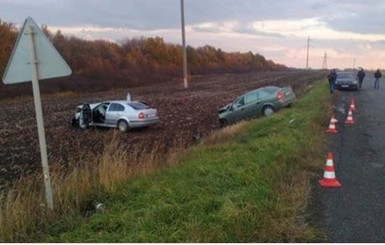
column 365, row 17
column 118, row 19
column 365, row 21
column 342, row 15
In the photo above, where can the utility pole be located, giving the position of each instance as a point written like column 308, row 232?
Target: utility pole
column 354, row 63
column 307, row 52
column 185, row 83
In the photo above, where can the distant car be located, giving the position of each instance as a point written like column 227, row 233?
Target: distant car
column 346, row 80
column 260, row 102
column 115, row 114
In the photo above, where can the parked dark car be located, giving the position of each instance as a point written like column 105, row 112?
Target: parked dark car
column 260, row 102
column 346, row 80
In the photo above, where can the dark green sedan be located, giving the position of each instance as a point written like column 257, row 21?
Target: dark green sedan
column 263, row 101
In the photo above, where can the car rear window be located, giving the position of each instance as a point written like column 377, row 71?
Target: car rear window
column 270, row 89
column 138, row 105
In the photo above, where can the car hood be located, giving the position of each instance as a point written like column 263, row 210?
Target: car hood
column 346, row 80
column 225, row 108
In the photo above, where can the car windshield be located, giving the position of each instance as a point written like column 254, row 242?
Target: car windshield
column 344, row 75
column 138, row 105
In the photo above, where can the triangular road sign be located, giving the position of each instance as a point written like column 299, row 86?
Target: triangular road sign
column 49, row 62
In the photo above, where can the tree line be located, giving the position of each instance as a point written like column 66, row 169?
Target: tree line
column 101, row 64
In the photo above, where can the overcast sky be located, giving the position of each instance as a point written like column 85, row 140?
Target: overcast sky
column 351, row 32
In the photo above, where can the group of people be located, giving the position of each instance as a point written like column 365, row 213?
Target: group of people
column 332, row 77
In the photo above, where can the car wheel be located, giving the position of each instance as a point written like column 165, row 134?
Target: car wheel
column 123, row 126
column 75, row 123
column 267, row 110
column 223, row 123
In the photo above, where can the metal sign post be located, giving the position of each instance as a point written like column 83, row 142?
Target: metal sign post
column 39, row 117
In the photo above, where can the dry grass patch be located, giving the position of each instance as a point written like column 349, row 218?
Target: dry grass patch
column 23, row 213
column 226, row 133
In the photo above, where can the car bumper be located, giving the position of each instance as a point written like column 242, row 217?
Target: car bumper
column 143, row 123
column 286, row 102
column 347, row 86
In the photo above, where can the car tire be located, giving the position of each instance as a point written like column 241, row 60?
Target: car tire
column 123, row 126
column 267, row 110
column 75, row 123
column 223, row 123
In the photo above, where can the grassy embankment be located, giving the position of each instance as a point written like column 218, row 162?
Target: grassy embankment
column 249, row 182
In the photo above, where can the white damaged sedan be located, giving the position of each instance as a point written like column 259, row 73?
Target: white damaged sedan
column 119, row 114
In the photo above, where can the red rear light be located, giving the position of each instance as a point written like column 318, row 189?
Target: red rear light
column 141, row 115
column 280, row 95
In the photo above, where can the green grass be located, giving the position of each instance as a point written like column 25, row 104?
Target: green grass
column 247, row 183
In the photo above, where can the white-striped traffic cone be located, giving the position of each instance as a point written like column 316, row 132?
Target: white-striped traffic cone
column 349, row 119
column 332, row 126
column 329, row 179
column 353, row 105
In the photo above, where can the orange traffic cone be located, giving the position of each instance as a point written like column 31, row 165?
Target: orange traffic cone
column 329, row 179
column 332, row 126
column 353, row 105
column 349, row 119
column 334, row 119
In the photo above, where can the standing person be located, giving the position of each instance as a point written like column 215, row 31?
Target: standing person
column 377, row 77
column 332, row 77
column 360, row 76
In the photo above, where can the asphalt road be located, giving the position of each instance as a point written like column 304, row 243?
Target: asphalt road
column 355, row 212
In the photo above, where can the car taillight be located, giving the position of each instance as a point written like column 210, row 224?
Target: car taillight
column 141, row 115
column 280, row 95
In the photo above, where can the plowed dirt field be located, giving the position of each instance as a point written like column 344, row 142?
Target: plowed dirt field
column 186, row 115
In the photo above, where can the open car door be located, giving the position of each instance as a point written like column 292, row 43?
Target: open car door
column 85, row 116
